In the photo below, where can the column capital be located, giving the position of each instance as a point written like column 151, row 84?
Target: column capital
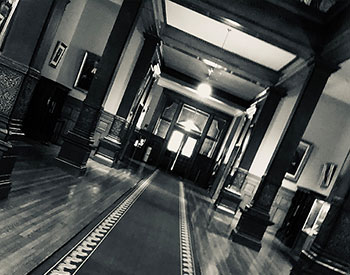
column 322, row 65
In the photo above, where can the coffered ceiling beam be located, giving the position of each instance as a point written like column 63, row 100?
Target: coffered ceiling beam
column 216, row 93
column 236, row 64
column 274, row 24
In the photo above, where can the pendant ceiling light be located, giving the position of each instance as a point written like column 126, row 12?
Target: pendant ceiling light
column 204, row 89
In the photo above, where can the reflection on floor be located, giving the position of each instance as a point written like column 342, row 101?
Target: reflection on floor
column 47, row 208
column 218, row 255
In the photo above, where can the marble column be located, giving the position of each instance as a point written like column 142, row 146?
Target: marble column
column 110, row 146
column 330, row 252
column 78, row 143
column 260, row 126
column 255, row 217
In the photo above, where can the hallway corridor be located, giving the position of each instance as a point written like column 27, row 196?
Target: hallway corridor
column 121, row 220
column 147, row 233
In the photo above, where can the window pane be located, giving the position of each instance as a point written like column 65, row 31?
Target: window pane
column 208, row 148
column 175, row 141
column 198, row 118
column 189, row 125
column 201, row 120
column 187, row 113
column 169, row 112
column 187, row 150
column 162, row 128
column 214, row 130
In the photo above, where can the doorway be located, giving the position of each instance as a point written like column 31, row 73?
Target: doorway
column 180, row 148
column 189, row 137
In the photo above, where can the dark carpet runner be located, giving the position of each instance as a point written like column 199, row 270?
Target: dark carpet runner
column 147, row 233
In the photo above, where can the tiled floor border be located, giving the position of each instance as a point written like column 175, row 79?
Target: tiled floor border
column 186, row 252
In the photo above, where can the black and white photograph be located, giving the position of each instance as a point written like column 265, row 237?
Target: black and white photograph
column 174, row 137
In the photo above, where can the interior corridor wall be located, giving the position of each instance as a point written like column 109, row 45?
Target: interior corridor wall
column 65, row 32
column 277, row 127
column 25, row 29
column 85, row 26
column 328, row 131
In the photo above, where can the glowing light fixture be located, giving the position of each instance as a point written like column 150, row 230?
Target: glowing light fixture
column 204, row 89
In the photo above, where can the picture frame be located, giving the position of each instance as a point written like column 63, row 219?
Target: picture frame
column 87, row 71
column 57, row 54
column 299, row 160
column 7, row 9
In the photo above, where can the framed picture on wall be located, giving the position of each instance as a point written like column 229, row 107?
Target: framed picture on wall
column 7, row 9
column 57, row 54
column 299, row 160
column 87, row 71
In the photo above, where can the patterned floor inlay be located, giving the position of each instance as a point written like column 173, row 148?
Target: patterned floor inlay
column 187, row 259
column 78, row 255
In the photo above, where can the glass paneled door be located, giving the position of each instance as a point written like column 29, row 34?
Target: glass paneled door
column 181, row 146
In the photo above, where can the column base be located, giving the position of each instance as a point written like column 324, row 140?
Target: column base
column 70, row 168
column 7, row 163
column 245, row 240
column 5, row 188
column 74, row 154
column 251, row 228
column 229, row 199
column 107, row 150
column 310, row 263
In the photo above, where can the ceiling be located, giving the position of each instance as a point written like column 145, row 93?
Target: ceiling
column 215, row 52
column 229, row 38
column 219, row 78
column 204, row 43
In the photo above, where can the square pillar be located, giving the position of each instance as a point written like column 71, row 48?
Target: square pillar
column 78, row 143
column 113, row 145
column 255, row 218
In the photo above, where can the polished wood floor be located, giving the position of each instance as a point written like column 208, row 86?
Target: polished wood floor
column 217, row 254
column 47, row 206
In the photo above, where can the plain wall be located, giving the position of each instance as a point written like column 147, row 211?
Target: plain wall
column 85, row 26
column 25, row 28
column 275, row 130
column 65, row 32
column 91, row 35
column 328, row 131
